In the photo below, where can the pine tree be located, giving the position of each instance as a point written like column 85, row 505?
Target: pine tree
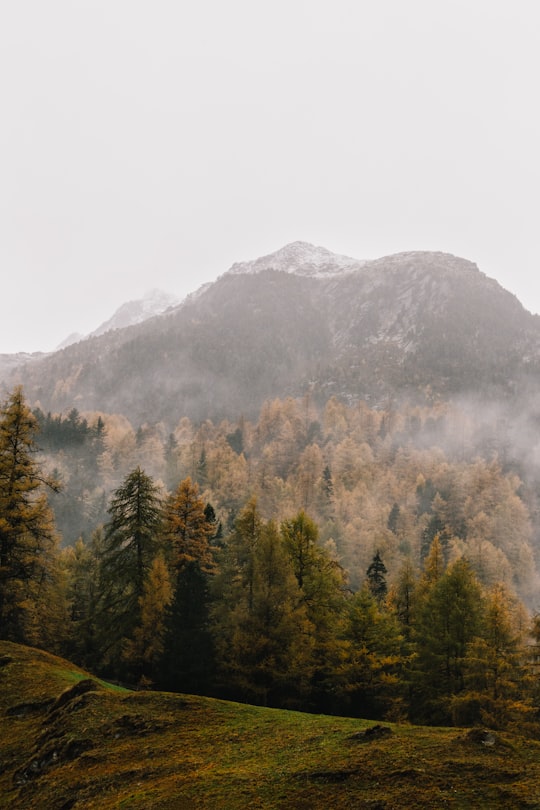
column 131, row 541
column 28, row 541
column 393, row 518
column 376, row 578
column 82, row 563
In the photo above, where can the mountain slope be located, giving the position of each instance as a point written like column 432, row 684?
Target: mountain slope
column 71, row 741
column 415, row 324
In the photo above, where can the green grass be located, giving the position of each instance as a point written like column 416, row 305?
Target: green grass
column 94, row 746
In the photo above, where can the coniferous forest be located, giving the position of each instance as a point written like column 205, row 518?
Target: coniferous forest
column 345, row 560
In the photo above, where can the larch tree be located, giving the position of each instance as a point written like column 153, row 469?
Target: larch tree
column 322, row 588
column 403, row 595
column 144, row 652
column 188, row 529
column 263, row 635
column 188, row 659
column 448, row 618
column 371, row 677
column 498, row 685
column 241, row 548
column 28, row 540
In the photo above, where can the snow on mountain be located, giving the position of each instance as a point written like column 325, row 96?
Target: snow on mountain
column 300, row 258
column 155, row 302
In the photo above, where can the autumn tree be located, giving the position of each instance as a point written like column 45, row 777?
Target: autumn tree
column 188, row 529
column 188, row 659
column 448, row 618
column 28, row 542
column 322, row 585
column 371, row 677
column 263, row 635
column 497, row 684
column 234, row 594
column 144, row 651
column 403, row 595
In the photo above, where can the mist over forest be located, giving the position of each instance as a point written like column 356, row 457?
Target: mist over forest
column 311, row 486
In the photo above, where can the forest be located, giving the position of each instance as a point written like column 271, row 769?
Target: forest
column 343, row 559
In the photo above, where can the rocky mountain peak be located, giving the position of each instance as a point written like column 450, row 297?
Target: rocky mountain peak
column 300, row 258
column 153, row 303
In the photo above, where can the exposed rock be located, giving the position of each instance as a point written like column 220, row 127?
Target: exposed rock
column 25, row 709
column 482, row 736
column 69, row 695
column 376, row 732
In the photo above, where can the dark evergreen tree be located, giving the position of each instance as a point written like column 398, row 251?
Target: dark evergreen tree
column 376, row 578
column 326, row 505
column 187, row 664
column 82, row 566
column 393, row 518
column 132, row 538
column 435, row 528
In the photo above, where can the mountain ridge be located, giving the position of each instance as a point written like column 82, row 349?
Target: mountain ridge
column 402, row 325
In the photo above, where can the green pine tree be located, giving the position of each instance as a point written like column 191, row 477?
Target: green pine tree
column 132, row 538
column 376, row 578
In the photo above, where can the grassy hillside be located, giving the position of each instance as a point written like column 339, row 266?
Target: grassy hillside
column 70, row 741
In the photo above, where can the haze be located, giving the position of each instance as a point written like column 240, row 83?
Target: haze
column 154, row 144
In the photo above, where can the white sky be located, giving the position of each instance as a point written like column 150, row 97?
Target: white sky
column 153, row 143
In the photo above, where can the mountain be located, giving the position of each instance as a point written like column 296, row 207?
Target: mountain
column 153, row 303
column 420, row 325
column 301, row 259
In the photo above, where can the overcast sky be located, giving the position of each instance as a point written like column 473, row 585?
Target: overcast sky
column 153, row 144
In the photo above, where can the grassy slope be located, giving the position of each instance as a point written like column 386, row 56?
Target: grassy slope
column 66, row 741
